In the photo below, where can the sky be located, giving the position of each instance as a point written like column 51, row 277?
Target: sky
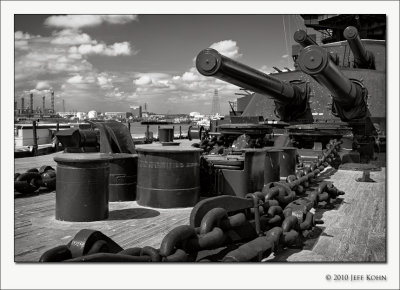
column 111, row 62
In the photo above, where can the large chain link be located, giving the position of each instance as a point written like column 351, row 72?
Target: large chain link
column 279, row 216
column 33, row 179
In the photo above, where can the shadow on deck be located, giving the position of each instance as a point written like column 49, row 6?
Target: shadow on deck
column 132, row 213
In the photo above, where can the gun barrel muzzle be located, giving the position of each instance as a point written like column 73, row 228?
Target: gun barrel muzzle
column 315, row 61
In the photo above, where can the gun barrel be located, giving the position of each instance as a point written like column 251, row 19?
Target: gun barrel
column 302, row 38
column 362, row 57
column 210, row 62
column 315, row 61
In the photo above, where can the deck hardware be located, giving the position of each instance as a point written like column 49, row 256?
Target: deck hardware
column 85, row 240
column 171, row 240
column 27, row 182
column 57, row 254
column 211, row 219
column 227, row 228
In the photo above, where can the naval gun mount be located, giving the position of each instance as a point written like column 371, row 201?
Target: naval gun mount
column 349, row 97
column 291, row 101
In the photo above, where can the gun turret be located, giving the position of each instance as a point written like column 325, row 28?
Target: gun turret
column 291, row 100
column 349, row 95
column 362, row 57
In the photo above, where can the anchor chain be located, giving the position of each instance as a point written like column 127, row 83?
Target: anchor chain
column 33, row 179
column 249, row 229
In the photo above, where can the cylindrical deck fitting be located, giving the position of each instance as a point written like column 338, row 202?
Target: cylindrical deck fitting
column 166, row 134
column 287, row 161
column 315, row 61
column 123, row 177
column 272, row 166
column 210, row 62
column 168, row 177
column 362, row 57
column 82, row 186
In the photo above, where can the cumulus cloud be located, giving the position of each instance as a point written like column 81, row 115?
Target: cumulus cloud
column 43, row 85
column 78, row 79
column 18, row 35
column 228, row 48
column 21, row 45
column 159, row 80
column 266, row 69
column 105, row 81
column 80, row 21
column 38, row 91
column 21, row 40
column 116, row 49
column 142, row 81
column 70, row 37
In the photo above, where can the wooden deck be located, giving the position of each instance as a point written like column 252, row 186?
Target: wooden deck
column 355, row 230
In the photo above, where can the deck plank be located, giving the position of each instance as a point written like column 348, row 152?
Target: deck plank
column 355, row 230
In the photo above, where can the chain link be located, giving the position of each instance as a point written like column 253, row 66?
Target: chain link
column 33, row 179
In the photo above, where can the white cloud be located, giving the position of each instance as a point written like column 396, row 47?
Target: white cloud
column 156, row 80
column 104, row 81
column 39, row 91
column 79, row 21
column 227, row 48
column 285, row 56
column 266, row 69
column 143, row 80
column 21, row 40
column 119, row 19
column 78, row 79
column 71, row 37
column 119, row 48
column 190, row 77
column 18, row 35
column 21, row 44
column 43, row 85
column 75, row 56
column 116, row 49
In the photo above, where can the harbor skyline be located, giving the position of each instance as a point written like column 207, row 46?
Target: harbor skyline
column 109, row 62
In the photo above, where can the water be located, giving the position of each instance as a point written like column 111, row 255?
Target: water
column 138, row 130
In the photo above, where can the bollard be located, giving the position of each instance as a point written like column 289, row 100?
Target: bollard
column 166, row 134
column 168, row 177
column 82, row 186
